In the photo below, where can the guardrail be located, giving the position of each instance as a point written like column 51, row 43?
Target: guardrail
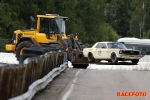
column 22, row 82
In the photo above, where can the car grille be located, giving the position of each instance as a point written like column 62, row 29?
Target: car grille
column 132, row 52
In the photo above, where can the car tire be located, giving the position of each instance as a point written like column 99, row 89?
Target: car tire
column 114, row 58
column 91, row 57
column 135, row 61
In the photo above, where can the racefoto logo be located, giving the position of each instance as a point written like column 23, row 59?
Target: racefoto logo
column 131, row 94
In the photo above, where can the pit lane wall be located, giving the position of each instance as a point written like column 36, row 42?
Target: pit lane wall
column 22, row 82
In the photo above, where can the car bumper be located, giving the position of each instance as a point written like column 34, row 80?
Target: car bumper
column 128, row 57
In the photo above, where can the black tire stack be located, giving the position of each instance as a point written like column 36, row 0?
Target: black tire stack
column 35, row 51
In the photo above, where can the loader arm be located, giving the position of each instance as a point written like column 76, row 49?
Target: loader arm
column 66, row 47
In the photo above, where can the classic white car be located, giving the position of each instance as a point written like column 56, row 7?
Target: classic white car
column 111, row 52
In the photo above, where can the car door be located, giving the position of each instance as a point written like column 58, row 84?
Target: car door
column 101, row 51
column 104, row 50
column 97, row 51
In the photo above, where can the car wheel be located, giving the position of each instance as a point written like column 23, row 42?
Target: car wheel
column 90, row 57
column 114, row 58
column 135, row 61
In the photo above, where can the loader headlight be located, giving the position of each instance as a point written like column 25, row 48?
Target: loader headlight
column 14, row 41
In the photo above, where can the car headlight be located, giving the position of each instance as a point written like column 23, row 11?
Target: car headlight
column 120, row 52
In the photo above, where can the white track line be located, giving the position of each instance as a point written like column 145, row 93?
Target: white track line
column 72, row 85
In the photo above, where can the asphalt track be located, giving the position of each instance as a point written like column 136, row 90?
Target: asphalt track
column 88, row 84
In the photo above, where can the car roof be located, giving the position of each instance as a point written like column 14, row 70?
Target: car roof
column 107, row 42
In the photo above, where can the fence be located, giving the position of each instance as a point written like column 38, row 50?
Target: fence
column 15, row 81
column 3, row 43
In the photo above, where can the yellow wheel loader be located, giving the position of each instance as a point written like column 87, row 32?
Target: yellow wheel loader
column 49, row 32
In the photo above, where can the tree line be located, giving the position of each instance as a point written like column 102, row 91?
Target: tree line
column 93, row 20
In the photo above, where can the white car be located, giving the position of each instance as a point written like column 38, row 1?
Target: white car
column 112, row 52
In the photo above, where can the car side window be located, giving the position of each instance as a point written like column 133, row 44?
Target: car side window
column 101, row 45
column 97, row 45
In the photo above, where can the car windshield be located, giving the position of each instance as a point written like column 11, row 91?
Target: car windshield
column 116, row 45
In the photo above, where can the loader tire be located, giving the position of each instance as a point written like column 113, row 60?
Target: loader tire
column 20, row 47
column 36, row 50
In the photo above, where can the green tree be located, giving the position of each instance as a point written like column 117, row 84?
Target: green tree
column 8, row 21
column 138, row 16
column 91, row 13
column 117, row 13
column 109, row 34
column 89, row 18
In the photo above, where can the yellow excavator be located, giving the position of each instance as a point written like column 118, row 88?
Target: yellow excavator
column 49, row 33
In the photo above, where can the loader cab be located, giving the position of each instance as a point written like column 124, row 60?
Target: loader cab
column 51, row 24
column 56, row 26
